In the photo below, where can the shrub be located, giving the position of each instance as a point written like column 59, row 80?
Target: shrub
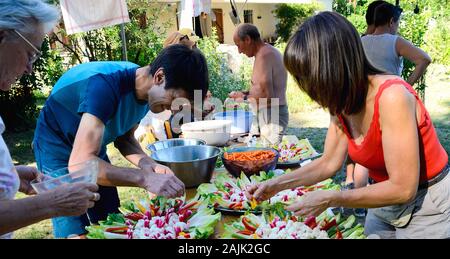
column 437, row 41
column 413, row 28
column 290, row 16
column 222, row 81
column 359, row 22
column 297, row 100
column 19, row 109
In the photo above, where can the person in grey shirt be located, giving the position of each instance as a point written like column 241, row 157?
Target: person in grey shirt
column 386, row 50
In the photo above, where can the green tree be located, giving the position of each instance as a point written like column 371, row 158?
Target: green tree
column 221, row 79
column 19, row 109
column 290, row 16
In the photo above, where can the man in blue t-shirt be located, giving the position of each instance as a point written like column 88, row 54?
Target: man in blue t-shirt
column 98, row 103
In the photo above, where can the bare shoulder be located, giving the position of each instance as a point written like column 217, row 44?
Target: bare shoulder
column 394, row 98
column 268, row 51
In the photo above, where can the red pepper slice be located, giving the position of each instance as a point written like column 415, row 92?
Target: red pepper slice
column 178, row 203
column 339, row 235
column 134, row 216
column 154, row 210
column 329, row 225
column 247, row 225
column 119, row 230
column 238, row 206
column 311, row 222
column 187, row 206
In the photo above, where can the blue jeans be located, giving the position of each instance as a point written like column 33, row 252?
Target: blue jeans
column 65, row 226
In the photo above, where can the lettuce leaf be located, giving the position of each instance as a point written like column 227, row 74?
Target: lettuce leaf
column 203, row 222
column 128, row 207
column 113, row 219
column 206, row 188
column 221, row 201
column 95, row 232
column 243, row 181
column 223, row 178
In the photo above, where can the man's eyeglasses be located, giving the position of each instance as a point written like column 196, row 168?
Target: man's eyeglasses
column 37, row 53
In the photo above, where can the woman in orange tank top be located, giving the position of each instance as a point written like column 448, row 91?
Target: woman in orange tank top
column 380, row 122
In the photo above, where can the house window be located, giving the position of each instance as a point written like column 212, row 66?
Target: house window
column 248, row 16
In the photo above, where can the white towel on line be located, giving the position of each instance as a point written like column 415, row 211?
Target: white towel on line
column 86, row 15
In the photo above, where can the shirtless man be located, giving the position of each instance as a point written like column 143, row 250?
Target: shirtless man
column 268, row 79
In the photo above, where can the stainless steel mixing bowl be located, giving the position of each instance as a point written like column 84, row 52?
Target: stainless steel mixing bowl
column 175, row 142
column 193, row 165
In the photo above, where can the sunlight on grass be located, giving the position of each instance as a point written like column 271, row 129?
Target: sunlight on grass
column 296, row 99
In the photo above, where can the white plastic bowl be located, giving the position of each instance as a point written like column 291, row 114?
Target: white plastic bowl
column 242, row 120
column 213, row 132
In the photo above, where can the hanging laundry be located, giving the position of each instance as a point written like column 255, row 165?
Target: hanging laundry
column 86, row 15
column 187, row 12
column 201, row 6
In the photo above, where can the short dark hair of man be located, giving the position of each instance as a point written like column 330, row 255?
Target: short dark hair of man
column 184, row 68
column 385, row 12
column 249, row 30
column 370, row 13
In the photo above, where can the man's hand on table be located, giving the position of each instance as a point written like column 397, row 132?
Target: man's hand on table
column 160, row 180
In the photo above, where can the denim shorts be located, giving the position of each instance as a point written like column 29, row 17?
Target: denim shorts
column 75, row 225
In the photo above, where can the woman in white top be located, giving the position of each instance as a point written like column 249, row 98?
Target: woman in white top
column 385, row 49
column 23, row 24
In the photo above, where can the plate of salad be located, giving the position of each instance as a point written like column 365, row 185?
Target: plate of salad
column 227, row 194
column 280, row 224
column 158, row 218
column 292, row 154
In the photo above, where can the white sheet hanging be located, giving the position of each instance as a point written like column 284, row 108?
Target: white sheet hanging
column 187, row 12
column 86, row 15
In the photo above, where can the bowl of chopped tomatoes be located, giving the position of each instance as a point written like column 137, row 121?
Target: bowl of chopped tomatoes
column 250, row 160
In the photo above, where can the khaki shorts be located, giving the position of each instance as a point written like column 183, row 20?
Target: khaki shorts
column 428, row 216
column 274, row 118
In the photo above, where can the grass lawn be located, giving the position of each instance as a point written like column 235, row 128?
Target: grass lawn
column 311, row 124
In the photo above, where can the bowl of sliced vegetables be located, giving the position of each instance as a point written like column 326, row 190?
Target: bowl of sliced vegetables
column 249, row 160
